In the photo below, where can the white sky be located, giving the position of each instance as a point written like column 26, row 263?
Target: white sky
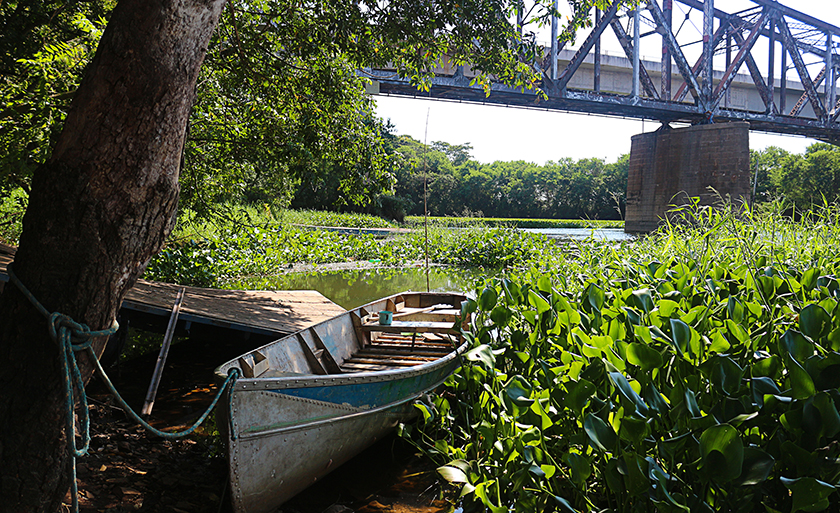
column 507, row 133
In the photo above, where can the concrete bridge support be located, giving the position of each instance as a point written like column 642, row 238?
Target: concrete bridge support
column 670, row 165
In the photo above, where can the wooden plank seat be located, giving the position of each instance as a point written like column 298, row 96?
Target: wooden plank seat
column 411, row 327
column 395, row 351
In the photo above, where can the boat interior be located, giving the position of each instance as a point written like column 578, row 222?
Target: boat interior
column 401, row 331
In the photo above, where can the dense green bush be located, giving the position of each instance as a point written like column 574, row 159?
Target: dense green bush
column 696, row 370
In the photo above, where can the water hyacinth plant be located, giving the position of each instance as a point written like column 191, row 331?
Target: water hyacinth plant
column 696, row 370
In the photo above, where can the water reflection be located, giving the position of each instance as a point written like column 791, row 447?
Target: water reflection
column 352, row 288
column 608, row 234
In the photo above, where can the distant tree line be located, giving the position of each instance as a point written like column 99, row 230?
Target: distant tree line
column 457, row 185
column 801, row 180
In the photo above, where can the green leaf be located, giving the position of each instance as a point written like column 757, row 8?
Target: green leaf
column 600, row 433
column 814, row 321
column 481, row 493
column 595, row 295
column 643, row 300
column 452, row 474
column 681, row 334
column 808, row 493
column 488, row 299
column 801, row 383
column 820, row 417
column 482, row 354
column 580, row 466
column 501, row 315
column 726, row 375
column 721, row 453
column 538, row 302
column 579, row 394
column 626, row 391
column 644, row 356
column 757, row 467
column 797, row 346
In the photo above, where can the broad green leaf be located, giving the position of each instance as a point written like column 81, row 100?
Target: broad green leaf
column 797, row 346
column 538, row 302
column 814, row 321
column 801, row 383
column 756, row 468
column 681, row 334
column 481, row 490
column 563, row 505
column 643, row 300
column 644, row 356
column 735, row 309
column 721, row 453
column 808, row 493
column 667, row 307
column 579, row 394
column 809, row 278
column 580, row 466
column 601, row 434
column 595, row 295
column 626, row 391
column 482, row 354
column 544, row 284
column 500, row 315
column 820, row 417
column 719, row 344
column 488, row 298
column 452, row 474
column 726, row 375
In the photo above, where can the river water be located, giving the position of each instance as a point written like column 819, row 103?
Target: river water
column 356, row 287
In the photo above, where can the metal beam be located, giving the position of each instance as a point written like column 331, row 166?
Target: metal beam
column 698, row 66
column 755, row 73
column 668, row 15
column 444, row 88
column 640, row 72
column 587, row 45
column 708, row 50
column 797, row 109
column 676, row 51
column 813, row 97
column 730, row 73
column 799, row 16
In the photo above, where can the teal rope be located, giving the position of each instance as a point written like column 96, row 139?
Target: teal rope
column 74, row 337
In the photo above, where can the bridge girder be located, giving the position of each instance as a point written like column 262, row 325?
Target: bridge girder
column 782, row 26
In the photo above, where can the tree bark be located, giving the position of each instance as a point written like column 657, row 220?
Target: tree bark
column 99, row 209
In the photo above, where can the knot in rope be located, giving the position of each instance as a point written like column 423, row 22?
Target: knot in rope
column 73, row 337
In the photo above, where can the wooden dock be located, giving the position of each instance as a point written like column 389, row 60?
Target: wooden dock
column 263, row 312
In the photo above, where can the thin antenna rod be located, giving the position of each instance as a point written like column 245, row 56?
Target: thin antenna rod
column 425, row 197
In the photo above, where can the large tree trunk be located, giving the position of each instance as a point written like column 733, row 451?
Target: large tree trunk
column 99, row 209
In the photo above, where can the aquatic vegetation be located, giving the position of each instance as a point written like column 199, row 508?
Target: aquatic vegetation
column 417, row 221
column 229, row 253
column 693, row 370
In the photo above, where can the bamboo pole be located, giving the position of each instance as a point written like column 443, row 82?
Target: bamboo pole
column 164, row 352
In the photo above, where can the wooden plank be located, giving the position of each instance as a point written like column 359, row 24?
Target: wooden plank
column 258, row 311
column 394, row 363
column 411, row 327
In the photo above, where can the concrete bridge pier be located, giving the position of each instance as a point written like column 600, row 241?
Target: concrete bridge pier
column 671, row 165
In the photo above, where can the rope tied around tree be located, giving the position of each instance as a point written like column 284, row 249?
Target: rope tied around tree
column 73, row 337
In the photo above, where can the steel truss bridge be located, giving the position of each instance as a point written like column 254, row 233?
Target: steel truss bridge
column 799, row 97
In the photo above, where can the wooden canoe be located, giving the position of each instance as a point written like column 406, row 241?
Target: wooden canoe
column 310, row 401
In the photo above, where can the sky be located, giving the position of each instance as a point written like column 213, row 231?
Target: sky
column 539, row 136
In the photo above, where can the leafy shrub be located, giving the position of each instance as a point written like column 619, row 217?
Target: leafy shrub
column 705, row 379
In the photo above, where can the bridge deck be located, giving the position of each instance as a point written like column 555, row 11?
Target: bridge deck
column 265, row 312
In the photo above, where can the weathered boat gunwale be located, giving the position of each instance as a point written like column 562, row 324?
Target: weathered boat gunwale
column 340, row 410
